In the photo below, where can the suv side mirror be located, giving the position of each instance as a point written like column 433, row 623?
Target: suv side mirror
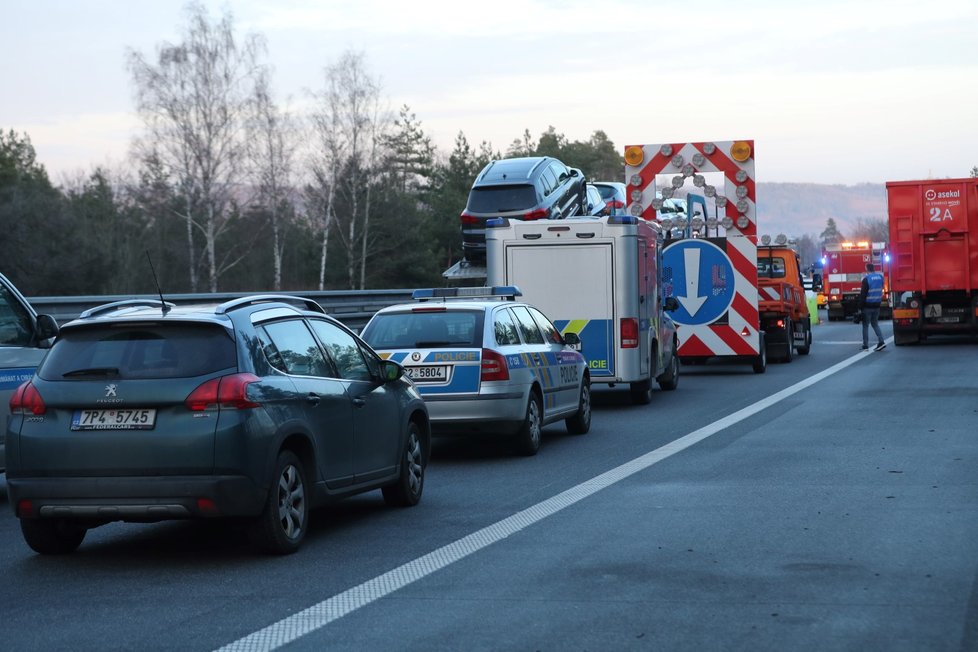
column 47, row 329
column 390, row 371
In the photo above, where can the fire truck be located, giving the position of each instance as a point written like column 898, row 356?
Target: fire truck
column 934, row 238
column 709, row 262
column 843, row 269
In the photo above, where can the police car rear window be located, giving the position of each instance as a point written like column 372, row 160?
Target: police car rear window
column 500, row 199
column 139, row 351
column 450, row 329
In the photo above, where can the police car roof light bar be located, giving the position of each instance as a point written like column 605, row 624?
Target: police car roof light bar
column 499, row 291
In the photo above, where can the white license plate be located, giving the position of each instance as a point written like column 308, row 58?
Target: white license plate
column 428, row 374
column 121, row 419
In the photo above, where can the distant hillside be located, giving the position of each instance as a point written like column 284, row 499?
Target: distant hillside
column 796, row 209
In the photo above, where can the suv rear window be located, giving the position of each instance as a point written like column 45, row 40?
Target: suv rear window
column 408, row 330
column 139, row 351
column 499, row 199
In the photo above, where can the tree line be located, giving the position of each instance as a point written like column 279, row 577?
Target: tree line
column 230, row 189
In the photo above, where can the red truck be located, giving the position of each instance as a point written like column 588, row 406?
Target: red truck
column 934, row 238
column 843, row 269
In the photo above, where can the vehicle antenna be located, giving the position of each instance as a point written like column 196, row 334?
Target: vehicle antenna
column 163, row 304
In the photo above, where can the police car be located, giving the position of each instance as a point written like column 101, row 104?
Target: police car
column 485, row 362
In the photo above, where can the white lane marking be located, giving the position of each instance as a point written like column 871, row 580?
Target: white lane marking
column 319, row 615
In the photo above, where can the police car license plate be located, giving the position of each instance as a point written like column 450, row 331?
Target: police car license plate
column 428, row 374
column 124, row 419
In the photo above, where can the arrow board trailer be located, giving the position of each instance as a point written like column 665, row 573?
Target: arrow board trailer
column 709, row 262
column 597, row 277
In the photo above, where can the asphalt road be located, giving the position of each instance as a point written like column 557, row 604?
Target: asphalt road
column 828, row 504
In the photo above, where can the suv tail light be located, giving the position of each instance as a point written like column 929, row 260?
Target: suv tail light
column 537, row 214
column 494, row 366
column 467, row 218
column 226, row 392
column 629, row 333
column 27, row 400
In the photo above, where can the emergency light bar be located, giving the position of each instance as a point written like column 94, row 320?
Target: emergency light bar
column 510, row 291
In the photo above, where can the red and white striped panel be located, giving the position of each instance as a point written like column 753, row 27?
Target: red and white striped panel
column 684, row 160
column 740, row 336
column 770, row 294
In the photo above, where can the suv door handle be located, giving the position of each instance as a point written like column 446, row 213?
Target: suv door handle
column 312, row 398
column 359, row 402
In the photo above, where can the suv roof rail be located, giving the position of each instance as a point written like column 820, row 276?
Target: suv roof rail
column 509, row 292
column 244, row 302
column 165, row 306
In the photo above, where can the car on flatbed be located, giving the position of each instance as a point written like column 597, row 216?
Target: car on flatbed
column 486, row 363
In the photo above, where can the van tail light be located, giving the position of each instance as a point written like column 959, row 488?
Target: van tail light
column 494, row 366
column 27, row 400
column 468, row 218
column 537, row 214
column 629, row 333
column 226, row 392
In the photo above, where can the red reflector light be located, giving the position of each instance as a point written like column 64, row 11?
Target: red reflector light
column 745, row 332
column 780, row 323
column 226, row 392
column 468, row 218
column 27, row 400
column 494, row 366
column 206, row 507
column 25, row 508
column 629, row 333
column 537, row 214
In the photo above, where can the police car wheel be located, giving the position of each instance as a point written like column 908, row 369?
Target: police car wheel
column 580, row 423
column 528, row 436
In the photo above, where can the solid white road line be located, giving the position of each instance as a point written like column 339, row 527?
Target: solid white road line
column 321, row 614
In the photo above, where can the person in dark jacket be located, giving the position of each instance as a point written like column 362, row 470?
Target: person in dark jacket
column 870, row 296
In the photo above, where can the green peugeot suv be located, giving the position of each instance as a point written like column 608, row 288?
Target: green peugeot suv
column 259, row 408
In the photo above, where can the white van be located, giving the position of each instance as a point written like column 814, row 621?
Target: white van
column 598, row 277
column 25, row 337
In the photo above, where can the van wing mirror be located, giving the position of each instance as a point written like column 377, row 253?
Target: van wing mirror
column 670, row 304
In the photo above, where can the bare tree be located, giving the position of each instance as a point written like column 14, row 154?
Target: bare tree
column 193, row 101
column 272, row 149
column 350, row 123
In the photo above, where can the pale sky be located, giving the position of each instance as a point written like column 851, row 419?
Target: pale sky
column 830, row 91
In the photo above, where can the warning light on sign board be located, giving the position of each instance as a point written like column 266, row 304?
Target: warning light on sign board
column 634, row 155
column 745, row 332
column 740, row 151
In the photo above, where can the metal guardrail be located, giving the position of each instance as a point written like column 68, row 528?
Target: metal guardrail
column 352, row 307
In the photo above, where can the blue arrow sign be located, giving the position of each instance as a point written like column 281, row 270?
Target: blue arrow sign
column 702, row 280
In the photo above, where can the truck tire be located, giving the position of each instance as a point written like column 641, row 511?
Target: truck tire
column 760, row 360
column 789, row 344
column 641, row 391
column 669, row 380
column 807, row 346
